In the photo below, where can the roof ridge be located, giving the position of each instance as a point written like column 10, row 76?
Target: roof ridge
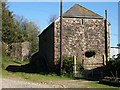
column 81, row 12
column 69, row 9
column 88, row 10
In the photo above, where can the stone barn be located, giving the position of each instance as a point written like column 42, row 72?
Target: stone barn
column 83, row 36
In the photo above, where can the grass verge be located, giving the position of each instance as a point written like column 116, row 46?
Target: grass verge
column 26, row 76
column 39, row 78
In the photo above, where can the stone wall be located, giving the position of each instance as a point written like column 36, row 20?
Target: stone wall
column 81, row 35
column 25, row 53
column 17, row 50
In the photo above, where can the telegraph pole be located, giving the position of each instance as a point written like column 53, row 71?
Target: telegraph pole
column 106, row 37
column 61, row 59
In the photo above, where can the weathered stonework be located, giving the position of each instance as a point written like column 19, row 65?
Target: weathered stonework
column 81, row 32
column 17, row 50
column 80, row 35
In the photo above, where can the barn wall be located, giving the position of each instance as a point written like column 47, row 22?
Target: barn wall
column 46, row 44
column 81, row 35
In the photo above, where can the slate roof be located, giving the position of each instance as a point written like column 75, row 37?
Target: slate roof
column 79, row 11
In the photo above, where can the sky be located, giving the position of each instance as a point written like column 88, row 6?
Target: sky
column 40, row 12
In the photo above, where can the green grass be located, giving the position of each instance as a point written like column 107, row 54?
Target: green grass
column 97, row 85
column 32, row 77
column 26, row 76
column 39, row 77
column 6, row 60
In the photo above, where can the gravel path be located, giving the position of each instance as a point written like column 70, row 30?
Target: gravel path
column 9, row 83
column 13, row 83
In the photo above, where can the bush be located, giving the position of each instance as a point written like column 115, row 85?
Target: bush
column 113, row 66
column 67, row 66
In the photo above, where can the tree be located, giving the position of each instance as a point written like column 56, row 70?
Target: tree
column 20, row 30
column 8, row 25
column 52, row 18
column 29, row 32
column 17, row 29
column 32, row 32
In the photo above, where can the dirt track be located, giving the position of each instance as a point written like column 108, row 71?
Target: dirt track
column 13, row 83
column 9, row 83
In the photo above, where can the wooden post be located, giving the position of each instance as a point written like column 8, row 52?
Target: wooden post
column 92, row 68
column 106, row 37
column 103, row 57
column 74, row 66
column 61, row 60
column 118, row 27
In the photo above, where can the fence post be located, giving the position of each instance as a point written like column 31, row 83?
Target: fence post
column 74, row 66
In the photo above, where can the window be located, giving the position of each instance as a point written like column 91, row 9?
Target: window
column 82, row 21
column 90, row 53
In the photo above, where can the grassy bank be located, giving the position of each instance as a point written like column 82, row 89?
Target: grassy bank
column 6, row 60
column 27, row 76
column 50, row 78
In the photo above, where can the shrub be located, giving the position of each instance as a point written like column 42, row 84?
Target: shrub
column 67, row 66
column 113, row 66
